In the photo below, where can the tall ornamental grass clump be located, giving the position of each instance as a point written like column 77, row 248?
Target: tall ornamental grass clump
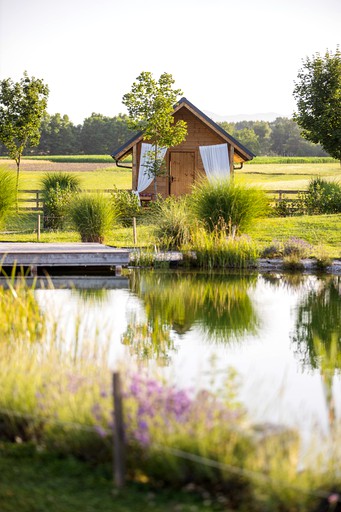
column 214, row 249
column 7, row 194
column 224, row 200
column 173, row 221
column 92, row 216
column 58, row 190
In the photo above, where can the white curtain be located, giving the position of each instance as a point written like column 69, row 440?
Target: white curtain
column 216, row 161
column 145, row 179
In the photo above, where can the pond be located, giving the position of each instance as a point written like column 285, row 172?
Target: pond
column 280, row 332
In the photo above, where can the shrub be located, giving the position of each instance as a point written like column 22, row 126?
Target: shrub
column 126, row 206
column 93, row 216
column 296, row 247
column 288, row 208
column 274, row 250
column 173, row 221
column 237, row 205
column 322, row 197
column 58, row 190
column 7, row 194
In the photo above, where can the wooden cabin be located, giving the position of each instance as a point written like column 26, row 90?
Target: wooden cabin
column 183, row 162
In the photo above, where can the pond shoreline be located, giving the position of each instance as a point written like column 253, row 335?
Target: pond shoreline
column 305, row 265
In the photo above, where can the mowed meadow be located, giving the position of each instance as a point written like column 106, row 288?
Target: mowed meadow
column 98, row 172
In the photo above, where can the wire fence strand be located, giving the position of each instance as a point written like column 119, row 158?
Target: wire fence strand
column 176, row 452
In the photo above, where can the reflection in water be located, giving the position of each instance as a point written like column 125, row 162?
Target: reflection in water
column 176, row 301
column 317, row 336
column 98, row 296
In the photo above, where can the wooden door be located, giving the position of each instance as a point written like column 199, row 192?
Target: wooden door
column 182, row 172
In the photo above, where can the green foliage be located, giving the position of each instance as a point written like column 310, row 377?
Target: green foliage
column 210, row 250
column 21, row 319
column 172, row 220
column 101, row 134
column 126, row 206
column 279, row 137
column 291, row 160
column 322, row 197
column 63, row 179
column 22, row 106
column 58, row 136
column 150, row 107
column 292, row 247
column 318, row 96
column 58, row 191
column 36, row 480
column 7, row 194
column 93, row 216
column 224, row 200
column 287, row 207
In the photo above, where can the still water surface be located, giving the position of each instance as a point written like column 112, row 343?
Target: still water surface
column 282, row 334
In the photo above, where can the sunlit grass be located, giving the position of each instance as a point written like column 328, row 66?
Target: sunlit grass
column 277, row 176
column 98, row 179
column 315, row 229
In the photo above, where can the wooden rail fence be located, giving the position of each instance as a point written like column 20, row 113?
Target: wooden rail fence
column 34, row 201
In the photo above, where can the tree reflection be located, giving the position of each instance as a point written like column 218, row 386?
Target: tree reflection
column 318, row 334
column 176, row 301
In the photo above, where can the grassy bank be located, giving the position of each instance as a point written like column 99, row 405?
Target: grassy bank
column 318, row 230
column 37, row 481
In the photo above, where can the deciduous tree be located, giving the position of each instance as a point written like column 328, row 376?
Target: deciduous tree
column 318, row 96
column 150, row 107
column 22, row 106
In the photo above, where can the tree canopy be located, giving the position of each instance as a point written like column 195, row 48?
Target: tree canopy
column 150, row 105
column 318, row 96
column 22, row 107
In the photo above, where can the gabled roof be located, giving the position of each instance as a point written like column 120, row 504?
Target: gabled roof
column 183, row 102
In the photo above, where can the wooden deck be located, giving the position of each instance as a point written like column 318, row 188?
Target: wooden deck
column 76, row 255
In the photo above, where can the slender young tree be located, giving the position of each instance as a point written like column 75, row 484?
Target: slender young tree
column 150, row 105
column 22, row 106
column 318, row 96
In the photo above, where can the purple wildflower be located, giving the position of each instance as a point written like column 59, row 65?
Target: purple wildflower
column 100, row 431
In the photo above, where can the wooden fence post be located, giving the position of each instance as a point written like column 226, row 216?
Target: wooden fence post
column 134, row 231
column 118, row 433
column 38, row 228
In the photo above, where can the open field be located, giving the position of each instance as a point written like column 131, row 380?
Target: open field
column 100, row 174
column 287, row 176
column 322, row 229
column 92, row 175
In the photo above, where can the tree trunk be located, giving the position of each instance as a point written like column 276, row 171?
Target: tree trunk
column 17, row 161
column 155, row 173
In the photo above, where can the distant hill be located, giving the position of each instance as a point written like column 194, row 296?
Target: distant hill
column 267, row 116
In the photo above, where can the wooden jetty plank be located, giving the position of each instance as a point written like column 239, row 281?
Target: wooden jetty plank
column 62, row 254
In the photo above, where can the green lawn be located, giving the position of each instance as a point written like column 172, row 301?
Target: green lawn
column 97, row 179
column 287, row 176
column 40, row 482
column 99, row 171
column 318, row 230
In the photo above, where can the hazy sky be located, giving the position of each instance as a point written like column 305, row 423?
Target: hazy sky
column 227, row 56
